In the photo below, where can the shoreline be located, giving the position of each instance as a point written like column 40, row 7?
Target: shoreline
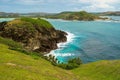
column 61, row 45
column 97, row 20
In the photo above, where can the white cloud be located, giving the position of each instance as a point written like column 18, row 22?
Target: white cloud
column 97, row 5
column 29, row 2
column 88, row 5
column 96, row 1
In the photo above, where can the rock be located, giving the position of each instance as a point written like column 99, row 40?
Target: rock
column 33, row 37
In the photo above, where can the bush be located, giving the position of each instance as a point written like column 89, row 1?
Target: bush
column 72, row 63
column 10, row 43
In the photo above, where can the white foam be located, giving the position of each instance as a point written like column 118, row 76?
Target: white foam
column 70, row 38
column 59, row 54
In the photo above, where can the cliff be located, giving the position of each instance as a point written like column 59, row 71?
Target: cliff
column 34, row 34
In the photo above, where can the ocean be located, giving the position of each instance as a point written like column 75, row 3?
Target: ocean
column 89, row 40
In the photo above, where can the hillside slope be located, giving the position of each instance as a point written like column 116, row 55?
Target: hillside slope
column 100, row 70
column 18, row 66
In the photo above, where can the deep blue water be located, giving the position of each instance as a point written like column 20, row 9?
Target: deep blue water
column 89, row 40
column 92, row 40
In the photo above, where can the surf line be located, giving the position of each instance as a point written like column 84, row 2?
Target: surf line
column 70, row 38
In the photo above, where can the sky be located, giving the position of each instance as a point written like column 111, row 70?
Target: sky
column 56, row 6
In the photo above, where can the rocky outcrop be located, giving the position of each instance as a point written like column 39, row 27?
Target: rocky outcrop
column 32, row 36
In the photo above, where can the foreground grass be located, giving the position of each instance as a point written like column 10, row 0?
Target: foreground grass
column 15, row 65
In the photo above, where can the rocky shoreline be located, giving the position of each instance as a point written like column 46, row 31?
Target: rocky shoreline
column 33, row 37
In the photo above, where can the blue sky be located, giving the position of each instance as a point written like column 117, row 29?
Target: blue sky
column 54, row 6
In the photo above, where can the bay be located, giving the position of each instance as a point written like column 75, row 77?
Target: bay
column 89, row 40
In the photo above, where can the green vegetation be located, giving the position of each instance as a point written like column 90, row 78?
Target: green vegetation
column 28, row 24
column 23, row 28
column 82, row 15
column 100, row 70
column 15, row 65
column 10, row 43
column 37, row 22
column 13, row 45
column 72, row 63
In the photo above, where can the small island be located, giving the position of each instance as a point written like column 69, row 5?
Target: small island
column 80, row 16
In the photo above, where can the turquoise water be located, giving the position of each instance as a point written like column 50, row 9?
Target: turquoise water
column 6, row 19
column 89, row 40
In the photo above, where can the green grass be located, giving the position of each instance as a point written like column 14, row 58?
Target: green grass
column 100, row 70
column 10, row 43
column 18, row 66
column 15, row 65
column 82, row 15
column 38, row 22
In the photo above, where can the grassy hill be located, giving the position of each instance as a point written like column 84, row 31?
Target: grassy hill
column 18, row 66
column 15, row 65
column 82, row 16
column 100, row 70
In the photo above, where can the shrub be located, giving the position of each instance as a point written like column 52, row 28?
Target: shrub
column 10, row 43
column 71, row 64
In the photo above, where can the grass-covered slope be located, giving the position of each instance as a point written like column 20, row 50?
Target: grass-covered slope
column 39, row 22
column 18, row 66
column 15, row 65
column 100, row 70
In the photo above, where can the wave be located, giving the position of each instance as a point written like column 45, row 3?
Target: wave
column 70, row 38
column 60, row 54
